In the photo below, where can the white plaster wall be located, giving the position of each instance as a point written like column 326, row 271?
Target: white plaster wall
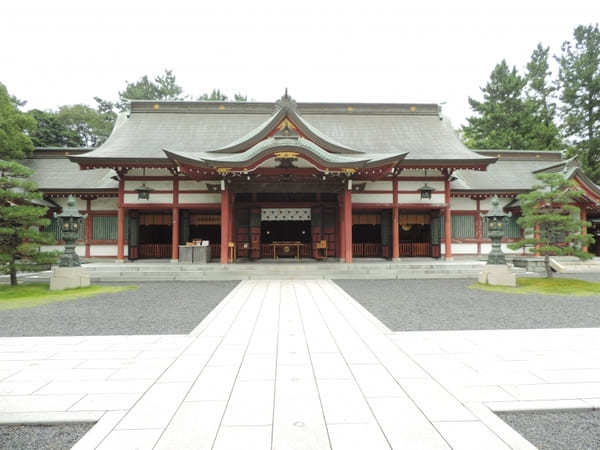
column 105, row 204
column 80, row 203
column 420, row 173
column 372, row 198
column 199, row 198
column 140, row 172
column 464, row 249
column 79, row 249
column 416, row 198
column 103, row 250
column 486, row 204
column 414, row 185
column 191, row 185
column 463, row 204
column 378, row 185
column 154, row 198
column 486, row 248
column 158, row 185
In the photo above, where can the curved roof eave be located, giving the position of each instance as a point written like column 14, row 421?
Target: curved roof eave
column 266, row 128
column 254, row 155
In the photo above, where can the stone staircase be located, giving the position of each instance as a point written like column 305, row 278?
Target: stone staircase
column 131, row 272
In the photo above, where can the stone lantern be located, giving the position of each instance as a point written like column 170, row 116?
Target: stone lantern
column 496, row 223
column 497, row 272
column 70, row 222
column 69, row 273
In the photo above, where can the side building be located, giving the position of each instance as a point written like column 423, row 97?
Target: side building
column 265, row 180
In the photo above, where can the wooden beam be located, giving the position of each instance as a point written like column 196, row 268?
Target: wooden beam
column 447, row 220
column 121, row 222
column 348, row 225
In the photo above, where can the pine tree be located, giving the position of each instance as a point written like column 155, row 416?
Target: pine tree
column 14, row 142
column 502, row 115
column 550, row 212
column 579, row 78
column 20, row 220
column 540, row 94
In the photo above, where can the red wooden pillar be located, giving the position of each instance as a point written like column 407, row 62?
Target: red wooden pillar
column 175, row 221
column 225, row 225
column 583, row 216
column 88, row 227
column 175, row 234
column 447, row 219
column 348, row 225
column 121, row 222
column 340, row 238
column 395, row 231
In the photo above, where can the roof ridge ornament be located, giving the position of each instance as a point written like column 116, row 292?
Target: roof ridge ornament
column 286, row 102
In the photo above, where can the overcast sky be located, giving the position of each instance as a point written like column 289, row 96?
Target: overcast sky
column 68, row 51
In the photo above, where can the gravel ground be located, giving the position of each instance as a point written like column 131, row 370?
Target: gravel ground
column 41, row 437
column 557, row 430
column 152, row 308
column 448, row 304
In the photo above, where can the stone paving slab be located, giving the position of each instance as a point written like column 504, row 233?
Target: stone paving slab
column 298, row 365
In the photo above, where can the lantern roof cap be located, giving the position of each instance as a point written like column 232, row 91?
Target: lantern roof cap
column 496, row 210
column 70, row 210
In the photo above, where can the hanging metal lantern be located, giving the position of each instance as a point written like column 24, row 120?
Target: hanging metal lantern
column 425, row 191
column 144, row 192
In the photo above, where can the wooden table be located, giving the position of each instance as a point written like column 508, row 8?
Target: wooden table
column 286, row 244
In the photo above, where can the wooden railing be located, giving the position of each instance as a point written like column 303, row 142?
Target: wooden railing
column 155, row 250
column 215, row 251
column 415, row 249
column 366, row 250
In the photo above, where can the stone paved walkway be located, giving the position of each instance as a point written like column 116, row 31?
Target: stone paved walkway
column 297, row 365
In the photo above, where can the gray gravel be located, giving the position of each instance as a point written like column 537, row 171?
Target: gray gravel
column 42, row 437
column 557, row 430
column 152, row 308
column 448, row 304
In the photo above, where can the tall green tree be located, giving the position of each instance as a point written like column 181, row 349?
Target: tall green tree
column 91, row 126
column 163, row 87
column 14, row 124
column 502, row 117
column 20, row 221
column 579, row 78
column 549, row 212
column 50, row 131
column 540, row 95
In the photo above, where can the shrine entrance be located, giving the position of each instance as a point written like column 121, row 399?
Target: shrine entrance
column 419, row 234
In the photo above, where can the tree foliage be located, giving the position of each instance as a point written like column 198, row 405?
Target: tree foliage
column 579, row 78
column 549, row 211
column 540, row 94
column 50, row 131
column 14, row 142
column 501, row 116
column 163, row 87
column 217, row 96
column 517, row 112
column 20, row 220
column 90, row 125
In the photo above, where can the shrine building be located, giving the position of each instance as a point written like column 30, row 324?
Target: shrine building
column 286, row 179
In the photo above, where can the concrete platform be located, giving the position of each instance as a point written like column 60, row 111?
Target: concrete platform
column 298, row 365
column 309, row 270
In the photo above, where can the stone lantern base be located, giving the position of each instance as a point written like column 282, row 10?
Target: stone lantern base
column 498, row 275
column 68, row 278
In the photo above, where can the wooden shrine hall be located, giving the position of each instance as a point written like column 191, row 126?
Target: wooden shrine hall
column 289, row 180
